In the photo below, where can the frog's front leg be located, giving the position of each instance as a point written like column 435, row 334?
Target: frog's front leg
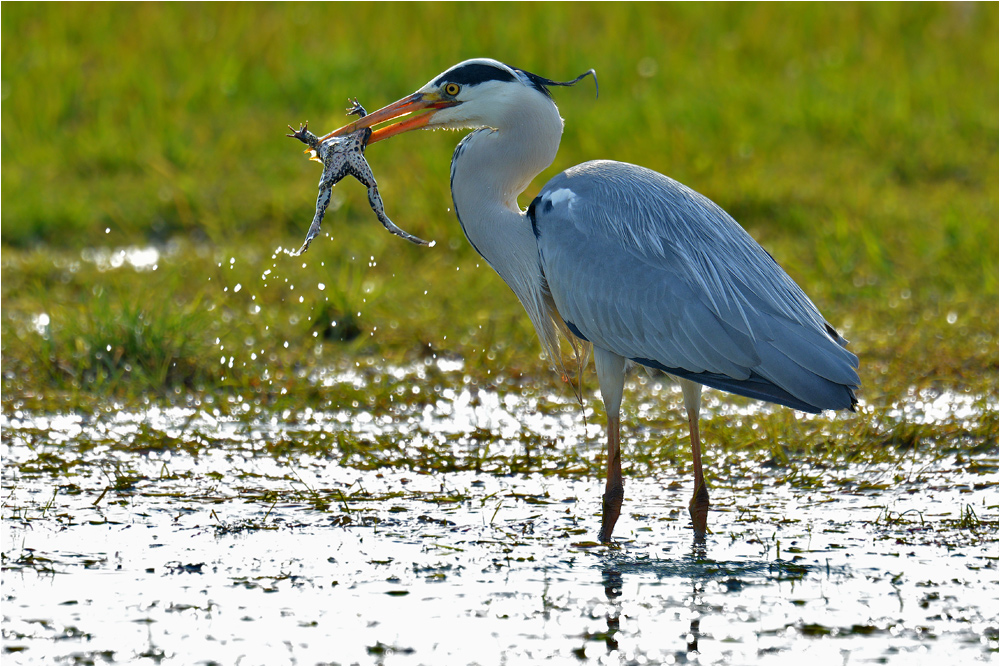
column 356, row 109
column 304, row 135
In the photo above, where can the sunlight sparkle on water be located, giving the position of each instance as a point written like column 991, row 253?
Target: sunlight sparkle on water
column 40, row 323
column 107, row 259
column 194, row 535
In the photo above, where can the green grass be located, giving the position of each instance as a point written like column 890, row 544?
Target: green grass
column 857, row 143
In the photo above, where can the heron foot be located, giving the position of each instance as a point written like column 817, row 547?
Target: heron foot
column 613, row 498
column 698, row 507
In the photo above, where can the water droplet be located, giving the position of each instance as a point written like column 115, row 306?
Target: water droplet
column 647, row 68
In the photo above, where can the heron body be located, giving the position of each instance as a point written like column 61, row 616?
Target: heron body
column 628, row 260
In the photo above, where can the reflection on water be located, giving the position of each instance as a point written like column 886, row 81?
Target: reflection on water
column 465, row 568
column 210, row 547
column 695, row 568
column 613, row 591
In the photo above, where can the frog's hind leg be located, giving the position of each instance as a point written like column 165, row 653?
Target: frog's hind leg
column 376, row 203
column 322, row 202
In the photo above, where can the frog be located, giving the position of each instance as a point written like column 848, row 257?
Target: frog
column 342, row 156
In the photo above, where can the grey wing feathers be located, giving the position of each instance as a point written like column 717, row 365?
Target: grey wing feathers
column 644, row 267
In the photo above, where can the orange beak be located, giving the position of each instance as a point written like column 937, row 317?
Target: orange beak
column 411, row 104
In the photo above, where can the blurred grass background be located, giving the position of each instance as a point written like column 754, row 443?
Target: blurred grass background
column 856, row 142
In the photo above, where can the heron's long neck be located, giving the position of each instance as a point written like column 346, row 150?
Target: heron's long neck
column 490, row 168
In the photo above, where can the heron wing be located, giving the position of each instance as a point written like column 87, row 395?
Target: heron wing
column 645, row 267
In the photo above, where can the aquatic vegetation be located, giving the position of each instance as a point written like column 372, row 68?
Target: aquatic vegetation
column 212, row 449
column 212, row 542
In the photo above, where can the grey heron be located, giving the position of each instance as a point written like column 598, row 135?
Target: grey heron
column 642, row 268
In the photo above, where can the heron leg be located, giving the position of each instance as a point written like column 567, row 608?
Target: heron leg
column 699, row 505
column 614, row 487
column 611, row 376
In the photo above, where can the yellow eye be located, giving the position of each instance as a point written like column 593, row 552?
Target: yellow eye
column 451, row 89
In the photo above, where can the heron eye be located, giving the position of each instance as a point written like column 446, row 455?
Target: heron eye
column 452, row 89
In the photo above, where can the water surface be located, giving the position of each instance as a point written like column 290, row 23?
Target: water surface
column 181, row 536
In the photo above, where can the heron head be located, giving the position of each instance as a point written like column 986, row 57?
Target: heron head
column 475, row 93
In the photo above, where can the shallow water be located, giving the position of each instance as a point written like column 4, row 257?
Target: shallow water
column 178, row 536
